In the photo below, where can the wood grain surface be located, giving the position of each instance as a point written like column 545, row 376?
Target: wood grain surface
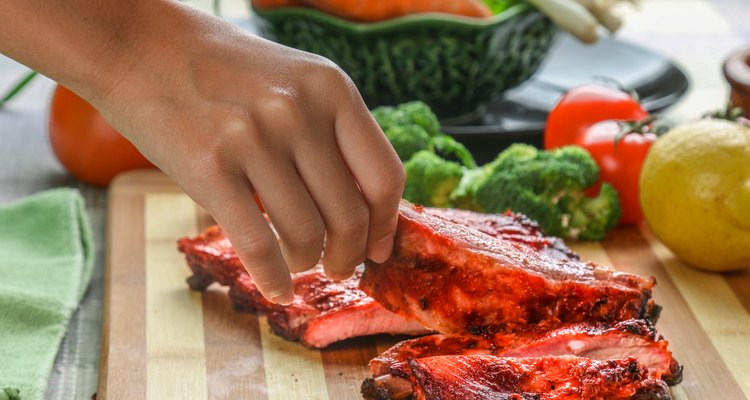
column 162, row 341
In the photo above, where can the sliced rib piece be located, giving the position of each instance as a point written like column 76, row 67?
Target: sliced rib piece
column 511, row 226
column 486, row 377
column 633, row 338
column 455, row 279
column 323, row 312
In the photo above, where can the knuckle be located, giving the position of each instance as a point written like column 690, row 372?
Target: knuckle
column 344, row 262
column 307, row 235
column 234, row 129
column 352, row 221
column 330, row 75
column 303, row 262
column 327, row 67
column 256, row 248
column 390, row 185
column 282, row 104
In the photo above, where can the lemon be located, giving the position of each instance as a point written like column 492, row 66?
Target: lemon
column 695, row 193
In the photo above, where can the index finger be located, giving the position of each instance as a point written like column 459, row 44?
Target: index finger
column 377, row 170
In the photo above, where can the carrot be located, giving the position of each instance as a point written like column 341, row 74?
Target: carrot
column 277, row 3
column 378, row 10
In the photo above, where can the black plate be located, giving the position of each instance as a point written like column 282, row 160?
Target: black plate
column 520, row 115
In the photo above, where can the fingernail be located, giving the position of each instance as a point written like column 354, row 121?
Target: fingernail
column 381, row 250
column 341, row 277
column 283, row 299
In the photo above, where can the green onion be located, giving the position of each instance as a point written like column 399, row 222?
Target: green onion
column 570, row 16
column 498, row 6
column 17, row 88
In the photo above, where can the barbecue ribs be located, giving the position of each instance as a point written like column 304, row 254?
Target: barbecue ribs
column 486, row 377
column 323, row 312
column 454, row 278
column 637, row 339
column 520, row 316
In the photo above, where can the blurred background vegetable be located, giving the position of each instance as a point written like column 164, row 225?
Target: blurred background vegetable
column 380, row 10
column 582, row 17
column 570, row 16
column 498, row 6
column 430, row 179
column 85, row 144
column 412, row 127
column 17, row 88
column 583, row 106
column 620, row 148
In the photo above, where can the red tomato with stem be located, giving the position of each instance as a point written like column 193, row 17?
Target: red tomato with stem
column 605, row 121
column 85, row 144
column 584, row 106
column 620, row 148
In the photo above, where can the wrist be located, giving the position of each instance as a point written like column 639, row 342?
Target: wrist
column 130, row 52
column 155, row 60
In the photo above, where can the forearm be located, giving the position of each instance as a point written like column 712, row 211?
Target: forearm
column 85, row 45
column 228, row 116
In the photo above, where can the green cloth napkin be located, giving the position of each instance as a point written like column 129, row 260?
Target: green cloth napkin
column 46, row 256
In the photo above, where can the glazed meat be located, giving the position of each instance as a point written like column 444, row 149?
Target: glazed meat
column 510, row 226
column 323, row 312
column 487, row 377
column 633, row 338
column 455, row 279
column 521, row 316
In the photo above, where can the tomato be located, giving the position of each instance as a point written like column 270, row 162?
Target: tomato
column 620, row 160
column 615, row 129
column 85, row 144
column 587, row 105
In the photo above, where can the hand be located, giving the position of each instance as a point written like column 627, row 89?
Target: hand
column 228, row 115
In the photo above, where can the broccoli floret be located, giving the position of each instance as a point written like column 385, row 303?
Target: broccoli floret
column 548, row 186
column 504, row 190
column 446, row 146
column 422, row 115
column 386, row 117
column 591, row 218
column 408, row 140
column 463, row 195
column 548, row 172
column 415, row 112
column 431, row 179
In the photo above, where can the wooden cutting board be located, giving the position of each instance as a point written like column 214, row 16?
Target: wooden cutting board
column 162, row 341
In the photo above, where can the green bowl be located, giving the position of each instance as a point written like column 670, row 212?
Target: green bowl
column 455, row 64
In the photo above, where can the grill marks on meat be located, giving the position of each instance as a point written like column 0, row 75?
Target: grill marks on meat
column 481, row 377
column 510, row 226
column 456, row 279
column 323, row 312
column 637, row 339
